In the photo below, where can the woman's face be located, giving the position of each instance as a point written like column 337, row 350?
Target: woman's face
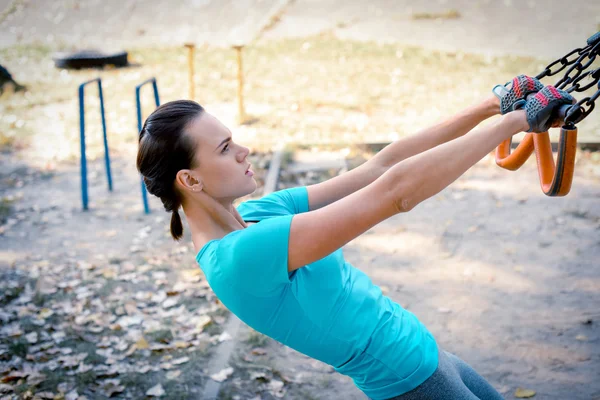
column 221, row 163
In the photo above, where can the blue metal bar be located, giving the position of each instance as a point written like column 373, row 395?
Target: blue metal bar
column 139, row 119
column 106, row 154
column 84, row 183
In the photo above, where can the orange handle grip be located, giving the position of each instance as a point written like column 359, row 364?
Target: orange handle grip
column 556, row 179
column 515, row 160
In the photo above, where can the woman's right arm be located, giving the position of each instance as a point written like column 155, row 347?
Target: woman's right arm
column 316, row 234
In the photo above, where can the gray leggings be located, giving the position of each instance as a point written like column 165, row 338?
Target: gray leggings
column 453, row 379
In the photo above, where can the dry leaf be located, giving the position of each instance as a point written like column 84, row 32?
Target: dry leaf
column 156, row 391
column 173, row 374
column 181, row 360
column 224, row 336
column 524, row 393
column 202, row 321
column 222, row 375
column 45, row 395
column 32, row 337
column 259, row 351
column 141, row 344
column 72, row 395
column 131, row 308
column 170, row 302
column 14, row 376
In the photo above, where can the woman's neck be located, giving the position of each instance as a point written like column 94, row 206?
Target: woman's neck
column 213, row 223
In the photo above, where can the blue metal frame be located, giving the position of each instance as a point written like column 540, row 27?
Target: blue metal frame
column 84, row 184
column 139, row 118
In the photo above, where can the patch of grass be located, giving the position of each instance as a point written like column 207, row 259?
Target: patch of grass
column 256, row 339
column 212, row 329
column 19, row 347
column 39, row 299
column 161, row 335
column 6, row 209
column 85, row 379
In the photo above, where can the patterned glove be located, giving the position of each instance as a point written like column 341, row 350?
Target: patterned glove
column 513, row 94
column 541, row 108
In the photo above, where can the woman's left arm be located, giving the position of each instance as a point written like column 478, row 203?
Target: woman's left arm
column 428, row 138
column 324, row 193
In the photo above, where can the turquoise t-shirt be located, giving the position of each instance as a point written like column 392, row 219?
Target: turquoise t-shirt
column 328, row 310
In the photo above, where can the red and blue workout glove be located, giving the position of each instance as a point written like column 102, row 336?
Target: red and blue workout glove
column 541, row 109
column 513, row 94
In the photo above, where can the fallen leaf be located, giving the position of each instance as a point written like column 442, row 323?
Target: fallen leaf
column 5, row 388
column 32, row 337
column 524, row 393
column 72, row 395
column 180, row 361
column 202, row 321
column 141, row 344
column 222, row 375
column 110, row 387
column 156, row 391
column 224, row 336
column 170, row 302
column 45, row 395
column 173, row 374
column 259, row 351
column 131, row 308
column 14, row 376
column 276, row 388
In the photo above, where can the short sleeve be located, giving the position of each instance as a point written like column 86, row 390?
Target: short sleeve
column 256, row 258
column 283, row 202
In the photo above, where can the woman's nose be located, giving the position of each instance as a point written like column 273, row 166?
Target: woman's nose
column 243, row 153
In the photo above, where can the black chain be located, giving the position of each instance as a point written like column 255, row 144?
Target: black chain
column 579, row 61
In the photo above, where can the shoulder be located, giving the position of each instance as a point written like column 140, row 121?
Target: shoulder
column 281, row 202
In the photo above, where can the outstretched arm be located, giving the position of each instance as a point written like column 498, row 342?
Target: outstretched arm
column 315, row 234
column 450, row 129
column 324, row 193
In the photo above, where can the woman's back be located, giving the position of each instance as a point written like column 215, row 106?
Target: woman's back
column 328, row 309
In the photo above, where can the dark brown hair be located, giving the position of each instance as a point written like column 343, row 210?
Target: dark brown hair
column 165, row 149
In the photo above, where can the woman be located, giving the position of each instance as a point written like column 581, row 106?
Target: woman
column 277, row 262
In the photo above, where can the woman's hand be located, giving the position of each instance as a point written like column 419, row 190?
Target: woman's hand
column 542, row 109
column 513, row 94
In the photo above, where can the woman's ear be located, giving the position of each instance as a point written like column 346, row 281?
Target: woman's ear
column 188, row 180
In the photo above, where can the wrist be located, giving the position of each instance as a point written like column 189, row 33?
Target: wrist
column 491, row 106
column 517, row 121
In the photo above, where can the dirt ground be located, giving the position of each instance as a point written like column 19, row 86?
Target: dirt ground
column 503, row 276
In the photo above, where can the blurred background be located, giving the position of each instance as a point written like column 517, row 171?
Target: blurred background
column 102, row 303
column 314, row 71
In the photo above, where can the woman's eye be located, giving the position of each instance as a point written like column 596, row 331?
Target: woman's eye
column 225, row 148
